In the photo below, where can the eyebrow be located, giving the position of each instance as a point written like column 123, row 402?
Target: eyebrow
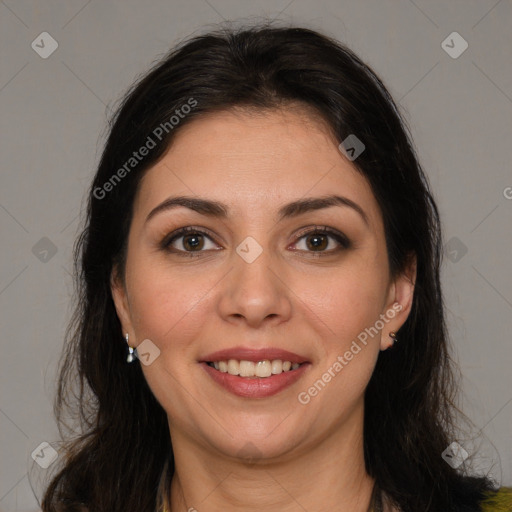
column 293, row 209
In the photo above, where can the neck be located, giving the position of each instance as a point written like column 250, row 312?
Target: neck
column 329, row 475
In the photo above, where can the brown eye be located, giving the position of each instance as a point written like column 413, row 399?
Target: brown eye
column 323, row 240
column 193, row 242
column 317, row 241
column 188, row 240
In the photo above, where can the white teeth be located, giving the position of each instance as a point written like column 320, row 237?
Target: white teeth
column 263, row 369
column 260, row 369
column 233, row 367
column 247, row 369
column 277, row 366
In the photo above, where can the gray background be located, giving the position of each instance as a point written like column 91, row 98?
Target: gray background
column 53, row 120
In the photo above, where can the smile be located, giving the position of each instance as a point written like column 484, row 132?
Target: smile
column 255, row 387
column 254, row 373
column 260, row 369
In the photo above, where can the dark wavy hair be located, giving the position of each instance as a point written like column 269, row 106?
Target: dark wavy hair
column 118, row 455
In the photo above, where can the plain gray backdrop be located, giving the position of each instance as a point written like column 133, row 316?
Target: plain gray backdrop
column 457, row 101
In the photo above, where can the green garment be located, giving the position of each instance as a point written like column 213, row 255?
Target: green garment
column 500, row 501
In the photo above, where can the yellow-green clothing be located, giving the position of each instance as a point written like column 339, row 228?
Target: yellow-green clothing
column 500, row 501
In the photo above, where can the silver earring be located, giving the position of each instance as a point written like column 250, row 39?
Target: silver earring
column 131, row 354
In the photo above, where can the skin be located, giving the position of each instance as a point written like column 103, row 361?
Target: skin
column 304, row 457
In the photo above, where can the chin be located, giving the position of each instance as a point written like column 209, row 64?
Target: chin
column 254, row 446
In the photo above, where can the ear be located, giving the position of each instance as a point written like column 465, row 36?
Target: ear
column 399, row 301
column 120, row 298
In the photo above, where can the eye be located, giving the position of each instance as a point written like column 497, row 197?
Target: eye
column 318, row 240
column 190, row 239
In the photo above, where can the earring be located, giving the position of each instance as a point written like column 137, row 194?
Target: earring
column 131, row 353
column 392, row 335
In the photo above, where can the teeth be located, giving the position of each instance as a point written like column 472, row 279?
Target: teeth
column 277, row 366
column 260, row 369
column 233, row 367
column 263, row 369
column 246, row 369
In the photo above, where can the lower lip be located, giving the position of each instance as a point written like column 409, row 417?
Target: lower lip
column 257, row 387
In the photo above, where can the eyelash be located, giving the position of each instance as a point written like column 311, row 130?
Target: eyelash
column 322, row 230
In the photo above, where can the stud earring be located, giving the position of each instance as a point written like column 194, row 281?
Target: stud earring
column 392, row 335
column 131, row 353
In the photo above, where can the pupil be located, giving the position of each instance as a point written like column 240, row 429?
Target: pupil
column 319, row 241
column 316, row 238
column 193, row 245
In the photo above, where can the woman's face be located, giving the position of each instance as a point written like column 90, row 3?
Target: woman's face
column 257, row 279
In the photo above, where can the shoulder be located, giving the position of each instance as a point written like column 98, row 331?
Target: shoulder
column 497, row 501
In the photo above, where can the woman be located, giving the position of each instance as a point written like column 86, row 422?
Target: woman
column 260, row 318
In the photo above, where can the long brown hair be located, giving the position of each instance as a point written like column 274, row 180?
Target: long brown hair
column 122, row 452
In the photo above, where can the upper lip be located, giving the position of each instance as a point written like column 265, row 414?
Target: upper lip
column 255, row 355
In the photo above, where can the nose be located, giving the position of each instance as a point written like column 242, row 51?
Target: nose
column 255, row 292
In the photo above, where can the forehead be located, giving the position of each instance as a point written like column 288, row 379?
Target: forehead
column 255, row 161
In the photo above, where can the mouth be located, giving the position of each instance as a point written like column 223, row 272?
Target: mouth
column 255, row 370
column 254, row 373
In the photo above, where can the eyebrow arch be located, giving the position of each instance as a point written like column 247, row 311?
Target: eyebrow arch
column 293, row 209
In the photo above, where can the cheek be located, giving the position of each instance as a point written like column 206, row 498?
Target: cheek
column 171, row 309
column 349, row 348
column 348, row 300
column 166, row 305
